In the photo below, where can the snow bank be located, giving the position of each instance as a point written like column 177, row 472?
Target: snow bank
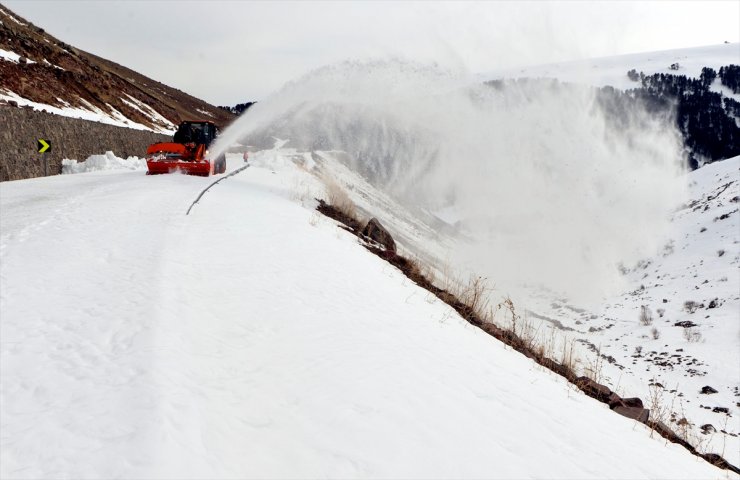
column 109, row 161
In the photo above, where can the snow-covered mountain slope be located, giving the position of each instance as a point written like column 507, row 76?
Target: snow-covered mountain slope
column 90, row 112
column 39, row 71
column 253, row 338
column 688, row 336
column 612, row 71
column 694, row 277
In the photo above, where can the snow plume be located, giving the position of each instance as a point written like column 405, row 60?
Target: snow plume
column 548, row 188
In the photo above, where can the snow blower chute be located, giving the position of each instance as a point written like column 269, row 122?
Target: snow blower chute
column 187, row 152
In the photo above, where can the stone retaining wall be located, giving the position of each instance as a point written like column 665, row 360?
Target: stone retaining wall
column 20, row 129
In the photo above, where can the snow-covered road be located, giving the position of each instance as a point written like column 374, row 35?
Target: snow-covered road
column 253, row 338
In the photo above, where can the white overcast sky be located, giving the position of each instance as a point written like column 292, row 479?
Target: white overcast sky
column 227, row 52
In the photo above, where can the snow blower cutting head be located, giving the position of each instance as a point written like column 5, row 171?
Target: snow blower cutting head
column 187, row 152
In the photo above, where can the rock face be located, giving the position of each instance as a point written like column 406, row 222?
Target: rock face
column 376, row 232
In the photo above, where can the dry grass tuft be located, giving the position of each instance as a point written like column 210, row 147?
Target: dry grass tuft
column 692, row 335
column 646, row 316
column 338, row 198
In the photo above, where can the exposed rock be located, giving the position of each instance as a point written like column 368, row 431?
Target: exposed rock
column 706, row 389
column 636, row 413
column 707, row 428
column 685, row 324
column 593, row 389
column 633, row 402
column 376, row 232
column 720, row 462
column 614, row 401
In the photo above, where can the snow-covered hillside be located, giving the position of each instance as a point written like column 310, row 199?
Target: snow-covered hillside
column 40, row 71
column 664, row 360
column 93, row 113
column 612, row 71
column 677, row 323
column 253, row 338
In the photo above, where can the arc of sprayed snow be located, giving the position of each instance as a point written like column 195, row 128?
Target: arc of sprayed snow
column 240, row 169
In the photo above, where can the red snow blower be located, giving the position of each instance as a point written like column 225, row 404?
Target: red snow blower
column 187, row 153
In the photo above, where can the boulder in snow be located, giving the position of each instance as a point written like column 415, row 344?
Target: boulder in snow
column 636, row 413
column 377, row 233
column 593, row 389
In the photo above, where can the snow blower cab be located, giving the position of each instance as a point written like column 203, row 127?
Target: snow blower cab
column 187, row 153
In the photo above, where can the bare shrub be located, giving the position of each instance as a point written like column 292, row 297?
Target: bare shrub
column 529, row 334
column 692, row 335
column 508, row 306
column 415, row 267
column 569, row 357
column 656, row 334
column 690, row 306
column 660, row 409
column 684, row 428
column 475, row 296
column 646, row 316
column 448, row 280
column 548, row 345
column 422, row 268
column 593, row 368
column 338, row 198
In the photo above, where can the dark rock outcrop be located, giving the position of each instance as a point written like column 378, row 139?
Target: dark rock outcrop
column 376, row 232
column 637, row 413
column 593, row 389
column 685, row 324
